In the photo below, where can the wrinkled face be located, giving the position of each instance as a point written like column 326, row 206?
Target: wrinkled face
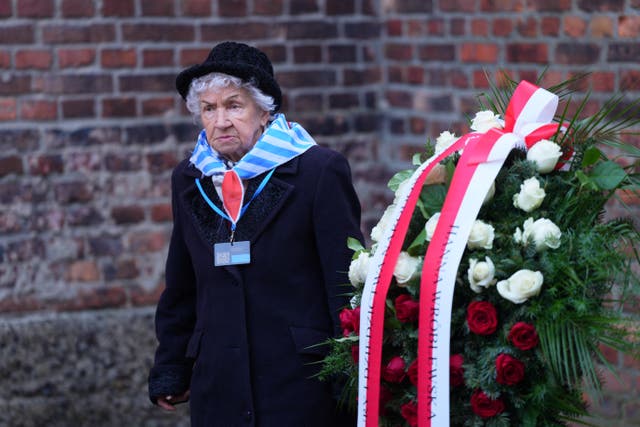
column 232, row 120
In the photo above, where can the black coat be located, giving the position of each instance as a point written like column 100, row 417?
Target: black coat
column 241, row 337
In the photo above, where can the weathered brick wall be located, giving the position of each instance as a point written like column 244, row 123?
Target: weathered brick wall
column 90, row 128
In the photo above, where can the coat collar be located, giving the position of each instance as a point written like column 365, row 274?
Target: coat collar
column 212, row 229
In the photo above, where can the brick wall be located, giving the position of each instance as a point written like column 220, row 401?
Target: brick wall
column 90, row 125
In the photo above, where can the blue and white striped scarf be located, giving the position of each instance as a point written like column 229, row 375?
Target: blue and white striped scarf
column 281, row 142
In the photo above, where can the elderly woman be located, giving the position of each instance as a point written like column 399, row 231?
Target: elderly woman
column 257, row 262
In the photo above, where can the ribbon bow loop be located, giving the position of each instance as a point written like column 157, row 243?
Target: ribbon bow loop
column 530, row 114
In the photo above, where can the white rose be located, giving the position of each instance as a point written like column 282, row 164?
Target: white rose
column 444, row 141
column 530, row 196
column 543, row 233
column 383, row 224
column 430, row 226
column 546, row 154
column 481, row 236
column 521, row 286
column 485, row 120
column 406, row 268
column 490, row 193
column 481, row 274
column 358, row 269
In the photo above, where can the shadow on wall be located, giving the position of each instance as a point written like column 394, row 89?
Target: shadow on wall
column 80, row 369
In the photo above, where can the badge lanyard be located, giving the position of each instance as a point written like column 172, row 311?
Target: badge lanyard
column 244, row 208
column 232, row 252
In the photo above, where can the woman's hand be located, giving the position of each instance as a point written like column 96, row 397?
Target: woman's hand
column 168, row 402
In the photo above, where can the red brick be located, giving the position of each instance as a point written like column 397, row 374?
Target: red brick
column 603, row 81
column 433, row 52
column 118, row 58
column 158, row 7
column 307, row 54
column 528, row 27
column 436, row 27
column 148, row 241
column 35, row 8
column 232, row 8
column 147, row 83
column 161, row 162
column 76, row 108
column 268, row 8
column 629, row 26
column 8, row 109
column 480, row 27
column 158, row 32
column 157, row 106
column 577, row 53
column 78, row 33
column 5, row 59
column 458, row 27
column 83, row 271
column 157, row 58
column 399, row 52
column 72, row 58
column 120, row 270
column 70, row 192
column 300, row 7
column 17, row 34
column 528, row 53
column 601, row 26
column 38, row 110
column 340, row 7
column 46, row 164
column 118, row 7
column 15, row 85
column 92, row 299
column 6, row 9
column 502, row 27
column 10, row 165
column 198, row 7
column 574, row 26
column 630, row 80
column 550, row 26
column 127, row 214
column 189, row 57
column 77, row 8
column 551, row 5
column 161, row 213
column 601, row 5
column 394, row 27
column 119, row 107
column 478, row 52
column 499, row 6
column 458, row 6
column 37, row 59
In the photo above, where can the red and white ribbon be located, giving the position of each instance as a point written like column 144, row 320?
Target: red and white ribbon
column 527, row 120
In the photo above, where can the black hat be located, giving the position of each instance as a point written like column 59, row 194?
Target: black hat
column 239, row 60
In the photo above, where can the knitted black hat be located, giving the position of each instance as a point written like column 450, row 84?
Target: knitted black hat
column 235, row 59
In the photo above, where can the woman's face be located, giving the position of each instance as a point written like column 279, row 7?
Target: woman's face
column 232, row 120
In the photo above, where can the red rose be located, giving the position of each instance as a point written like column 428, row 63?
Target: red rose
column 350, row 321
column 484, row 406
column 412, row 372
column 456, row 372
column 482, row 318
column 509, row 369
column 394, row 370
column 523, row 336
column 407, row 308
column 409, row 412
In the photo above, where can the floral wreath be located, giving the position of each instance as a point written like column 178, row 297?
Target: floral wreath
column 540, row 285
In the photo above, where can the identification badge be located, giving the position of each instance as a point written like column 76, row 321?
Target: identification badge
column 231, row 253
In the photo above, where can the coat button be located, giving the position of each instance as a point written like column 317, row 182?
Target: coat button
column 248, row 415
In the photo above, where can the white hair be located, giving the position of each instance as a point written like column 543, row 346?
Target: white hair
column 219, row 81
